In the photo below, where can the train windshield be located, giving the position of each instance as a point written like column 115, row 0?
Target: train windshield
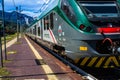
column 100, row 9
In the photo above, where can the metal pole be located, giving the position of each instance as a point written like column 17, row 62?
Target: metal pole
column 2, row 32
column 3, row 25
column 1, row 55
column 17, row 25
column 20, row 21
column 20, row 27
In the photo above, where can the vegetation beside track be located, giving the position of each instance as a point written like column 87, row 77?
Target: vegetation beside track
column 9, row 37
column 4, row 72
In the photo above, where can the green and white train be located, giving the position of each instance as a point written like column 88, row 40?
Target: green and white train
column 85, row 31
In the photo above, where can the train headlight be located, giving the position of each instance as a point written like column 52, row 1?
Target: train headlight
column 83, row 48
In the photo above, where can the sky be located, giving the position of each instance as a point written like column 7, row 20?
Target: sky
column 29, row 7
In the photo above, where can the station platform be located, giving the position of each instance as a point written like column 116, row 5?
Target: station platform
column 28, row 61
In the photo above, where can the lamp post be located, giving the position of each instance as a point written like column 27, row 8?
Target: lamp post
column 17, row 25
column 1, row 55
column 3, row 25
column 2, row 31
column 20, row 20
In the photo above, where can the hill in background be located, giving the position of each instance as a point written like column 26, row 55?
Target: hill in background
column 11, row 21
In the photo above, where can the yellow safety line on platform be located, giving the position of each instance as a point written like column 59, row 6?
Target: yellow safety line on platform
column 46, row 68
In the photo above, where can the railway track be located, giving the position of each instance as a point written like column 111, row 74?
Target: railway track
column 88, row 73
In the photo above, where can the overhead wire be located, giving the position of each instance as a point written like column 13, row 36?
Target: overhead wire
column 14, row 4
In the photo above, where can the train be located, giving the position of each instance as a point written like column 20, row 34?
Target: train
column 87, row 32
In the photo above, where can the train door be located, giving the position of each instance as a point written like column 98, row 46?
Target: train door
column 48, row 26
column 52, row 27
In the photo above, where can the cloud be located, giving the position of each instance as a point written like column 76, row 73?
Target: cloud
column 28, row 6
column 29, row 13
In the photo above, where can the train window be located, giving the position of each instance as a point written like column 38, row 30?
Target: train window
column 101, row 9
column 31, row 31
column 46, row 23
column 34, row 30
column 38, row 31
column 69, row 11
column 51, row 21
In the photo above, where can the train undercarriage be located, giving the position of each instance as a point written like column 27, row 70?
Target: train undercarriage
column 110, row 60
column 108, row 46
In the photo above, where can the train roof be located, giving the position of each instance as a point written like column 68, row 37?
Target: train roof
column 52, row 4
column 46, row 8
column 100, row 0
column 97, row 0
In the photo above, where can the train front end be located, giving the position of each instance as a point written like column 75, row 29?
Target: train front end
column 104, row 17
column 98, row 22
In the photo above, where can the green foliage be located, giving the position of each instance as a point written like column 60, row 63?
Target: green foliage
column 4, row 72
column 9, row 37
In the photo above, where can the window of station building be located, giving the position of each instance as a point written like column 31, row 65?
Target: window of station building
column 69, row 11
